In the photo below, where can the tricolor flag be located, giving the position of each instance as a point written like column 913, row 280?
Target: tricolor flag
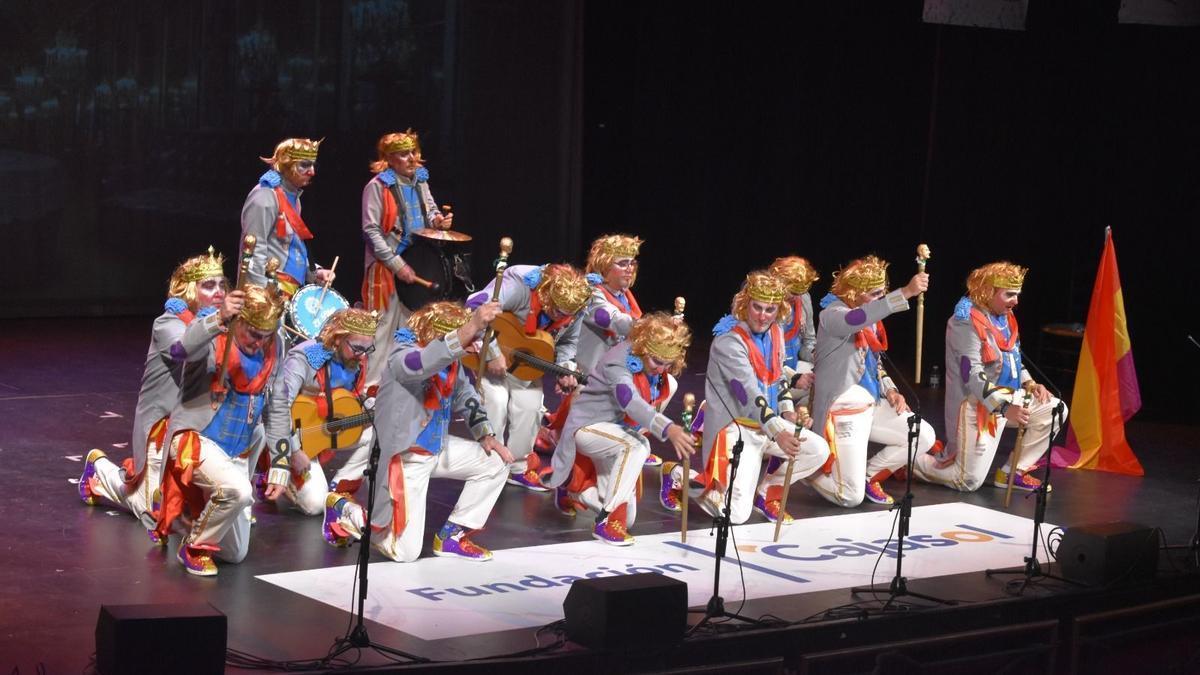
column 1106, row 389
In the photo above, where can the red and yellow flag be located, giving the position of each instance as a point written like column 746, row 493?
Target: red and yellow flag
column 1106, row 389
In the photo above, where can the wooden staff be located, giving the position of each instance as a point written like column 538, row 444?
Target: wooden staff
column 923, row 256
column 325, row 288
column 506, row 246
column 248, row 245
column 1016, row 453
column 787, row 484
column 686, row 417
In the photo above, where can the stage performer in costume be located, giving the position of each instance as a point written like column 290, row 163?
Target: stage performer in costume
column 800, row 333
column 197, row 307
column 330, row 366
column 609, row 420
column 423, row 387
column 395, row 203
column 272, row 214
column 855, row 401
column 747, row 400
column 550, row 298
column 216, row 434
column 987, row 388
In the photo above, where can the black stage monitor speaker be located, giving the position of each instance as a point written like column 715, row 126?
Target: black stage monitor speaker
column 625, row 611
column 1109, row 553
column 174, row 638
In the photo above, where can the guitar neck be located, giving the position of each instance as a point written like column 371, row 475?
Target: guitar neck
column 546, row 366
column 349, row 422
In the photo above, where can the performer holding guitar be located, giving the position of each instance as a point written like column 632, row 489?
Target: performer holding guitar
column 319, row 408
column 542, row 303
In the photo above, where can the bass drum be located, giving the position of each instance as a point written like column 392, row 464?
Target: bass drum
column 307, row 311
column 445, row 263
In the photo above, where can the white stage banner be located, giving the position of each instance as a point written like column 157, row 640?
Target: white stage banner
column 435, row 598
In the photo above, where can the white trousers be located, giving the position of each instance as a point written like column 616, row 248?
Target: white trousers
column 514, row 407
column 392, row 319
column 309, row 498
column 112, row 487
column 976, row 449
column 747, row 483
column 618, row 456
column 224, row 522
column 857, row 419
column 483, row 476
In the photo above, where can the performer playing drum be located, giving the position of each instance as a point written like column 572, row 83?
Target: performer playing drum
column 396, row 203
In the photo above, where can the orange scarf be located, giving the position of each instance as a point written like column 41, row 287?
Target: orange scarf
column 535, row 310
column 288, row 215
column 875, row 340
column 984, row 327
column 241, row 383
column 767, row 374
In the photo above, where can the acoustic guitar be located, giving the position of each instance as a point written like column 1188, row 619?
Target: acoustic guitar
column 318, row 434
column 529, row 356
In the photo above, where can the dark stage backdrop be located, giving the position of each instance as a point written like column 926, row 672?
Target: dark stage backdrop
column 723, row 134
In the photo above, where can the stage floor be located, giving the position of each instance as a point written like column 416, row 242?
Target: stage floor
column 68, row 386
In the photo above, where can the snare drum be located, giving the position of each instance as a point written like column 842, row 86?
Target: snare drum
column 447, row 263
column 308, row 312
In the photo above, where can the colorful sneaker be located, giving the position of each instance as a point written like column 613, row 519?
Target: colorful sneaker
column 458, row 545
column 612, row 532
column 528, row 480
column 563, row 502
column 334, row 534
column 156, row 539
column 668, row 494
column 654, row 460
column 196, row 561
column 1022, row 481
column 876, row 494
column 770, row 509
column 87, row 480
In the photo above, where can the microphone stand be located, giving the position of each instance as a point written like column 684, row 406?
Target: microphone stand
column 357, row 637
column 1033, row 568
column 898, row 586
column 716, row 604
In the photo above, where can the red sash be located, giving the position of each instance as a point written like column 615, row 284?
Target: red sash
column 764, row 373
column 288, row 216
column 390, row 210
column 797, row 319
column 983, row 327
column 535, row 310
column 875, row 340
column 642, row 382
column 634, row 309
column 241, row 383
column 439, row 391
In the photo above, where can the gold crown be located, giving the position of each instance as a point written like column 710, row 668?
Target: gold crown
column 262, row 308
column 358, row 321
column 765, row 288
column 864, row 274
column 563, row 288
column 437, row 319
column 620, row 245
column 405, row 143
column 294, row 150
column 203, row 267
column 983, row 281
column 661, row 336
column 796, row 272
column 1012, row 278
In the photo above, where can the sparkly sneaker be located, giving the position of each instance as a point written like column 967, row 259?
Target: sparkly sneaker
column 1022, row 481
column 612, row 532
column 563, row 502
column 335, row 535
column 668, row 495
column 654, row 460
column 452, row 542
column 196, row 561
column 876, row 494
column 770, row 509
column 528, row 480
column 88, row 478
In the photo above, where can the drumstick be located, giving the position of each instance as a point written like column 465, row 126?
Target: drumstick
column 431, row 285
column 325, row 289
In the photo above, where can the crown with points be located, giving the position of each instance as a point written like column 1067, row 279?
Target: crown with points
column 620, row 245
column 358, row 321
column 405, row 142
column 437, row 319
column 262, row 308
column 294, row 150
column 984, row 280
column 864, row 274
column 563, row 288
column 203, row 267
column 661, row 336
column 765, row 288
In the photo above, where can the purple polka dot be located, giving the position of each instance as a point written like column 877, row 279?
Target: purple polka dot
column 739, row 392
column 178, row 353
column 413, row 360
column 856, row 317
column 603, row 319
column 624, row 394
column 477, row 299
column 964, row 369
